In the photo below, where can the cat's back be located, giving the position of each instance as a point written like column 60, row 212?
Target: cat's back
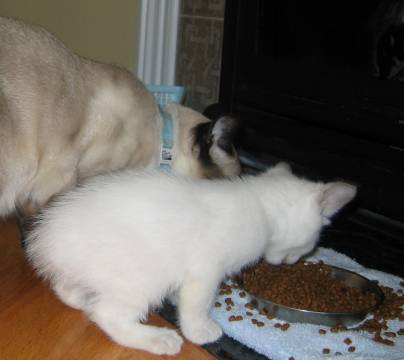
column 136, row 190
column 26, row 41
column 150, row 199
column 115, row 206
column 147, row 193
column 35, row 68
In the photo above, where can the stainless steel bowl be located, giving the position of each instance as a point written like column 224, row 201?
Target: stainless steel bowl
column 295, row 315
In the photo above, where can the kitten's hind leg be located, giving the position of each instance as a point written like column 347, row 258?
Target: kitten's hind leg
column 72, row 295
column 121, row 323
column 196, row 297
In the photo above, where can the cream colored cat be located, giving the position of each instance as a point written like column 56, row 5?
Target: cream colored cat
column 64, row 118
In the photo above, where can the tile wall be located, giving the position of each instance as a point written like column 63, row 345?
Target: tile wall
column 199, row 51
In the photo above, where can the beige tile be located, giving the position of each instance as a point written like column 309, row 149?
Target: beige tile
column 206, row 8
column 199, row 58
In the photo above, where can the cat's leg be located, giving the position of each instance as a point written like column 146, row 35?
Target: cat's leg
column 53, row 179
column 122, row 323
column 195, row 300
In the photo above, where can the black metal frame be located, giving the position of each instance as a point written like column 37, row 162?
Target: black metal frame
column 361, row 142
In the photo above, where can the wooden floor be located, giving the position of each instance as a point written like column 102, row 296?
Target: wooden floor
column 35, row 325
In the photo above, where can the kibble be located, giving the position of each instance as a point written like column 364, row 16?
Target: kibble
column 225, row 289
column 322, row 332
column 390, row 334
column 326, row 351
column 351, row 349
column 338, row 328
column 229, row 301
column 400, row 332
column 224, row 292
column 242, row 294
column 380, row 339
column 285, row 327
column 218, row 304
column 250, row 306
column 348, row 341
column 305, row 285
column 235, row 318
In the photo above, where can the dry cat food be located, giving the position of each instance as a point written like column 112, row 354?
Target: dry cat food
column 258, row 323
column 235, row 318
column 348, row 341
column 391, row 308
column 229, row 301
column 351, row 349
column 305, row 285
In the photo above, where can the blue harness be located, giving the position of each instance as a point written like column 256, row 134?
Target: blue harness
column 167, row 141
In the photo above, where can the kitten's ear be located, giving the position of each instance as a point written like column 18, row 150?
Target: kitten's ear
column 283, row 166
column 334, row 197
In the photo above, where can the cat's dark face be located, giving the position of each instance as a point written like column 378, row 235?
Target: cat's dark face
column 214, row 147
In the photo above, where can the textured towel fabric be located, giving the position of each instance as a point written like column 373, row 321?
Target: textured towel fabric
column 303, row 341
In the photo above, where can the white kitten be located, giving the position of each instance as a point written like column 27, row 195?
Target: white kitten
column 120, row 244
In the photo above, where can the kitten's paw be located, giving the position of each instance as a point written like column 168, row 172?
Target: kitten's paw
column 167, row 342
column 202, row 332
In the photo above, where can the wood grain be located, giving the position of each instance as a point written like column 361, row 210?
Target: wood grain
column 35, row 325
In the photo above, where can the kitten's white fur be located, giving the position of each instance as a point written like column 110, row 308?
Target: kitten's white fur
column 120, row 244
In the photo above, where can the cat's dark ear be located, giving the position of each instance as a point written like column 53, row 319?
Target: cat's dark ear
column 222, row 150
column 334, row 196
column 216, row 149
column 224, row 133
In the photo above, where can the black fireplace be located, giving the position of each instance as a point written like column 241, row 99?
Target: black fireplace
column 321, row 86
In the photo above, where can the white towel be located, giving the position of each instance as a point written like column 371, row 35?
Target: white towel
column 303, row 341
